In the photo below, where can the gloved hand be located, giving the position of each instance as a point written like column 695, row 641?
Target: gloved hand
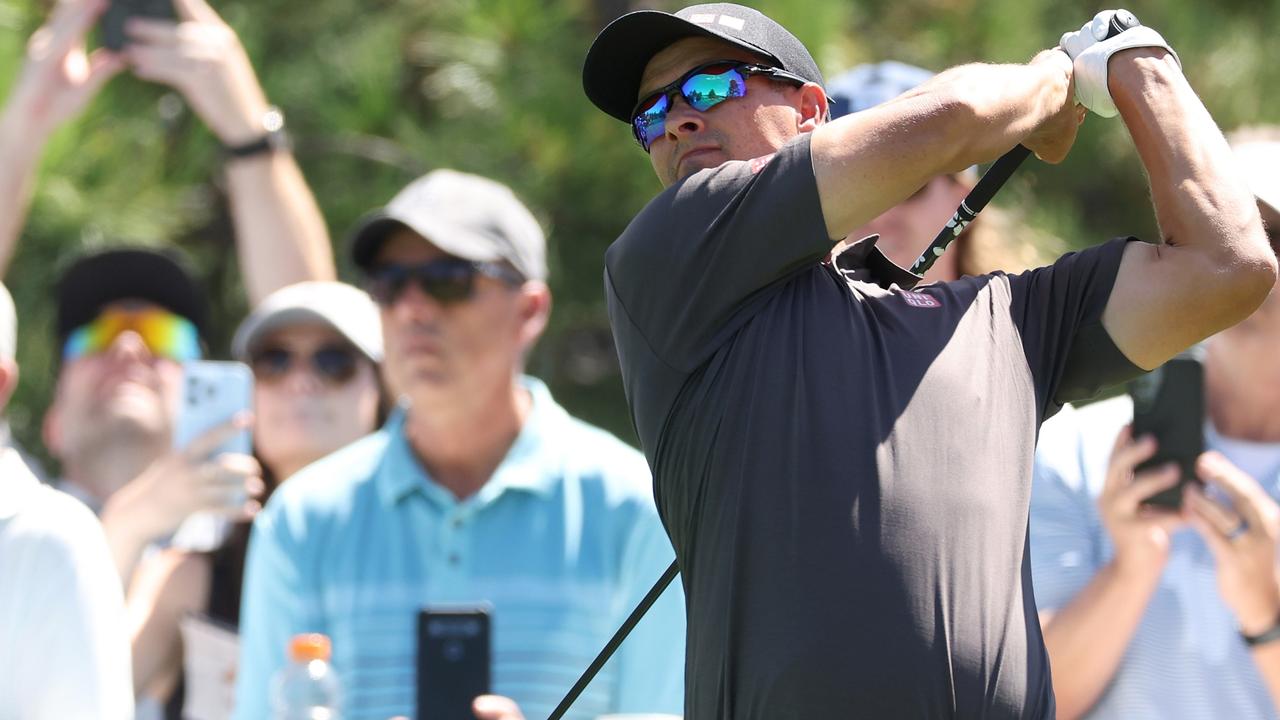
column 1090, row 50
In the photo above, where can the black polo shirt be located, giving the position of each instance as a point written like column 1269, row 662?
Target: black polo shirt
column 845, row 469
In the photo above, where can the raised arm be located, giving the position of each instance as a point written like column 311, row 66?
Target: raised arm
column 1215, row 266
column 57, row 80
column 870, row 161
column 280, row 234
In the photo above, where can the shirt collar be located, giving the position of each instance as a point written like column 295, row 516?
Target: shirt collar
column 531, row 464
column 864, row 262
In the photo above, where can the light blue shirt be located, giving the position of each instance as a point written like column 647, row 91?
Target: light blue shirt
column 1186, row 658
column 562, row 542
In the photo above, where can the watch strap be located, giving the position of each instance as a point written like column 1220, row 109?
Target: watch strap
column 1265, row 637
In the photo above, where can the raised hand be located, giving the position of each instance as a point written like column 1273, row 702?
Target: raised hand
column 59, row 77
column 1091, row 49
column 1139, row 533
column 201, row 57
column 1243, row 540
column 1052, row 140
column 188, row 481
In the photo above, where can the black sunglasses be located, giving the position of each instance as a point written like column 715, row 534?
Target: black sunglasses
column 448, row 280
column 702, row 88
column 333, row 364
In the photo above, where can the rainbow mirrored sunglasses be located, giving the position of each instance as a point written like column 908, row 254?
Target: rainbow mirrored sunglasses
column 165, row 334
column 702, row 88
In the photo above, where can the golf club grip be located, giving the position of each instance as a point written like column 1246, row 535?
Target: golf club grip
column 995, row 178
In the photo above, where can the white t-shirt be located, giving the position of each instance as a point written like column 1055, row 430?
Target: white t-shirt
column 64, row 647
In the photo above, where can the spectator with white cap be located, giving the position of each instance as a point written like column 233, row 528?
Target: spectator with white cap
column 1142, row 617
column 65, row 653
column 479, row 488
column 314, row 348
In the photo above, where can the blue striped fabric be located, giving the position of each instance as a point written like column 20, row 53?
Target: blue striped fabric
column 1186, row 659
column 562, row 542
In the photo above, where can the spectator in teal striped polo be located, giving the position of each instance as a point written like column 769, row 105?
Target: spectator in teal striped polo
column 479, row 489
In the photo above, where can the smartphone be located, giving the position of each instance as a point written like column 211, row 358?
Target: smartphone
column 453, row 660
column 213, row 392
column 1168, row 402
column 119, row 12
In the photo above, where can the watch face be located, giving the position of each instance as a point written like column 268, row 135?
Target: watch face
column 273, row 120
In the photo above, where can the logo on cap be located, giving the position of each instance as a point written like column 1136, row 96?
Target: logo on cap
column 728, row 21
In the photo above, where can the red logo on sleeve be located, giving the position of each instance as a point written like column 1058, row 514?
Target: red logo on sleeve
column 920, row 300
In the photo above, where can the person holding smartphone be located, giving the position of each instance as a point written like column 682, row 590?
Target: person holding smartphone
column 1158, row 612
column 315, row 350
column 479, row 489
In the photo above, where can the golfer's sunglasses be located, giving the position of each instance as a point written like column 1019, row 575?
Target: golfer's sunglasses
column 334, row 364
column 447, row 280
column 165, row 334
column 702, row 88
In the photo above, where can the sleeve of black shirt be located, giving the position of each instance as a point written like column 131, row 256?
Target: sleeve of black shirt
column 695, row 263
column 1058, row 310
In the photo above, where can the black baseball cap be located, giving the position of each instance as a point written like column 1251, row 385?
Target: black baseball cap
column 617, row 58
column 95, row 280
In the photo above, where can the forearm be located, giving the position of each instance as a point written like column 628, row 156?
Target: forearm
column 999, row 106
column 20, row 151
column 280, row 234
column 868, row 162
column 1087, row 639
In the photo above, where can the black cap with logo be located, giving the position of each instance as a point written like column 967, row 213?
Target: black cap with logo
column 617, row 58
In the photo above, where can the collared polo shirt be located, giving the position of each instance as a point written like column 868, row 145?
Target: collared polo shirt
column 562, row 542
column 843, row 466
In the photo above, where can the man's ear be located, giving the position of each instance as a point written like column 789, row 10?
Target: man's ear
column 535, row 311
column 814, row 108
column 8, row 382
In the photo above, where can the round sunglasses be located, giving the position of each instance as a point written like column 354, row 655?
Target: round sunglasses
column 702, row 88
column 333, row 364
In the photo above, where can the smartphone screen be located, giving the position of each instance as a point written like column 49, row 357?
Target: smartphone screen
column 1168, row 403
column 119, row 12
column 212, row 394
column 453, row 661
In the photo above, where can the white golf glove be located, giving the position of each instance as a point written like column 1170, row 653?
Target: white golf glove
column 1090, row 50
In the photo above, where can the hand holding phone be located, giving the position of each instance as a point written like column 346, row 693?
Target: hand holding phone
column 118, row 14
column 453, row 661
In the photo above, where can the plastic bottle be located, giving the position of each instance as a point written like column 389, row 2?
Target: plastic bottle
column 307, row 688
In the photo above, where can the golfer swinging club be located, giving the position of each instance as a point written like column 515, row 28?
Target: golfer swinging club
column 844, row 465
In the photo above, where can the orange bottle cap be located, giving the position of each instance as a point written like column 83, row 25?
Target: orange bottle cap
column 309, row 646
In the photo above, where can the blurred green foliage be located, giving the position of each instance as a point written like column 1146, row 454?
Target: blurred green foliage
column 379, row 91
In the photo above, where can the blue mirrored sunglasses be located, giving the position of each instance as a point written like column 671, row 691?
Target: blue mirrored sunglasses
column 702, row 88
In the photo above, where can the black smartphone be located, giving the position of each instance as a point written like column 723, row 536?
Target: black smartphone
column 453, row 661
column 1168, row 402
column 119, row 12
